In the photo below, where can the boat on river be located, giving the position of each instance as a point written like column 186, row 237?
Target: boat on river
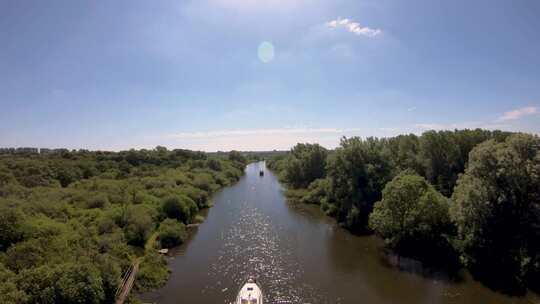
column 250, row 293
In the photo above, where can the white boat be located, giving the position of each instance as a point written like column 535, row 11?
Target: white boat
column 250, row 293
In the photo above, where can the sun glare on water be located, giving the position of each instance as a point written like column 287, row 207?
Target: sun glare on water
column 266, row 52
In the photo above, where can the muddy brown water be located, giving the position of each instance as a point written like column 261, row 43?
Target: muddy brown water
column 299, row 255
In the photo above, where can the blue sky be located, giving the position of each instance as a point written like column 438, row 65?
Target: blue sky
column 187, row 74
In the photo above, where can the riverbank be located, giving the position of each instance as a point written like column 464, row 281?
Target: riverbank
column 300, row 255
column 431, row 203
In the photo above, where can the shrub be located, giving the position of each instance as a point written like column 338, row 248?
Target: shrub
column 153, row 272
column 203, row 181
column 171, row 233
column 411, row 212
column 180, row 207
column 214, row 164
column 97, row 201
column 139, row 224
column 11, row 226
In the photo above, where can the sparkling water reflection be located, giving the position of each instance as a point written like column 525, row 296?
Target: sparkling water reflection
column 298, row 256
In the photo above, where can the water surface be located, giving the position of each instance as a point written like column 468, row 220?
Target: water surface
column 299, row 256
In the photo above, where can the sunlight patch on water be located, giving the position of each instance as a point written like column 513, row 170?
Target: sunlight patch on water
column 251, row 247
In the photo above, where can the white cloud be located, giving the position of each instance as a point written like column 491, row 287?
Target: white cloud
column 518, row 113
column 502, row 123
column 257, row 139
column 261, row 132
column 353, row 27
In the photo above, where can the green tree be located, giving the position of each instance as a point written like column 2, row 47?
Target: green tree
column 171, row 233
column 410, row 213
column 497, row 208
column 62, row 283
column 307, row 162
column 11, row 226
column 180, row 207
column 357, row 173
column 236, row 156
column 9, row 292
column 139, row 224
column 214, row 164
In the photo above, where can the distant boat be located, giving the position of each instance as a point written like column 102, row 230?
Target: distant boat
column 250, row 293
column 261, row 173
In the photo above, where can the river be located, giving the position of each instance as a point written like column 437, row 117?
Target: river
column 298, row 255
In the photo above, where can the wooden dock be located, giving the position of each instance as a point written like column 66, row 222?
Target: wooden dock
column 127, row 283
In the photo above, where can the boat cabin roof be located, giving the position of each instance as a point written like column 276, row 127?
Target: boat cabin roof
column 250, row 294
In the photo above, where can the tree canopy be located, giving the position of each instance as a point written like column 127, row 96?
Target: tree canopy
column 70, row 221
column 306, row 163
column 497, row 207
column 474, row 192
column 411, row 213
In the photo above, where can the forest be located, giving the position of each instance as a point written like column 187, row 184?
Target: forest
column 462, row 198
column 72, row 222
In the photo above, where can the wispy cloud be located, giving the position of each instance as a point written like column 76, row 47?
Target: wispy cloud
column 462, row 125
column 256, row 139
column 518, row 113
column 353, row 27
column 260, row 132
column 502, row 122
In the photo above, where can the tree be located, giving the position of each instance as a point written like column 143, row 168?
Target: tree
column 357, row 173
column 444, row 154
column 11, row 226
column 497, row 208
column 214, row 164
column 411, row 213
column 62, row 283
column 139, row 224
column 10, row 293
column 439, row 154
column 171, row 233
column 236, row 156
column 180, row 207
column 307, row 163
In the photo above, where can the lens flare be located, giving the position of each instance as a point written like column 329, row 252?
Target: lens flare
column 266, row 52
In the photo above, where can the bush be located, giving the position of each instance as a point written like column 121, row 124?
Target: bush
column 214, row 164
column 204, row 181
column 411, row 212
column 63, row 283
column 171, row 233
column 198, row 219
column 97, row 201
column 139, row 224
column 181, row 208
column 8, row 288
column 317, row 191
column 27, row 254
column 200, row 197
column 11, row 226
column 153, row 272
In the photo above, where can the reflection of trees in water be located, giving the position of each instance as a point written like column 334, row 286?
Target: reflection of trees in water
column 445, row 269
column 383, row 276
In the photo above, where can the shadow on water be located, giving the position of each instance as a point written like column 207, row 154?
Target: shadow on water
column 502, row 278
column 441, row 266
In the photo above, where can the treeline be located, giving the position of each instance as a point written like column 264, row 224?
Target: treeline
column 71, row 223
column 472, row 194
